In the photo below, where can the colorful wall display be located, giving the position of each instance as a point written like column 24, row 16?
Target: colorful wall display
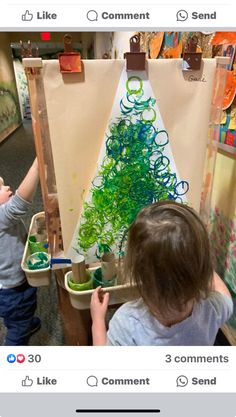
column 223, row 236
column 223, row 223
column 170, row 45
column 228, row 126
column 226, row 44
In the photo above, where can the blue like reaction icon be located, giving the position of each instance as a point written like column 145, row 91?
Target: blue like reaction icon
column 11, row 358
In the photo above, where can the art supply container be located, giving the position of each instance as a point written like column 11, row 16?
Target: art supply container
column 35, row 277
column 38, row 260
column 119, row 293
column 83, row 286
column 98, row 279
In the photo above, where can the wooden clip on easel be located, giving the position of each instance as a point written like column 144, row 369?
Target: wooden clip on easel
column 27, row 50
column 69, row 60
column 31, row 61
column 135, row 60
column 191, row 58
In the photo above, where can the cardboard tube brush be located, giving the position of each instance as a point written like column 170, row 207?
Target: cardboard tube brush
column 79, row 272
column 108, row 266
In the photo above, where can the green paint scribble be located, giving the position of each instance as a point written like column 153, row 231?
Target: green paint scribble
column 133, row 173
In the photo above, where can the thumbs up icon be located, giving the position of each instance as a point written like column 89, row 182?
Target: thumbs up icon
column 27, row 16
column 27, row 382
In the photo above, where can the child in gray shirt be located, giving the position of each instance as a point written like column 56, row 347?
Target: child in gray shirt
column 17, row 298
column 182, row 301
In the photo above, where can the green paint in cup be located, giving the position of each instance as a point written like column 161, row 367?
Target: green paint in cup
column 35, row 246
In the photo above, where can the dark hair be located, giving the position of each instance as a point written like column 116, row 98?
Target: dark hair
column 168, row 256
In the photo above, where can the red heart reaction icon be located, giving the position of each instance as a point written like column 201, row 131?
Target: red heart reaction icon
column 20, row 358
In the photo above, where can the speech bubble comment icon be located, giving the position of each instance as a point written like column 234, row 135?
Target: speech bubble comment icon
column 92, row 15
column 182, row 381
column 181, row 15
column 92, row 381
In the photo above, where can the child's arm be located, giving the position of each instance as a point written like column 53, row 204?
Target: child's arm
column 219, row 286
column 98, row 308
column 28, row 186
column 17, row 206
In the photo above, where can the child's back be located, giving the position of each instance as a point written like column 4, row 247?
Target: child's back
column 12, row 241
column 135, row 325
column 169, row 260
column 17, row 299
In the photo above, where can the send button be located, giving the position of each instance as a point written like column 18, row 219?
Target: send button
column 199, row 381
column 206, row 16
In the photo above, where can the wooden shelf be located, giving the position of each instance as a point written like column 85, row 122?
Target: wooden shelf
column 227, row 149
column 230, row 333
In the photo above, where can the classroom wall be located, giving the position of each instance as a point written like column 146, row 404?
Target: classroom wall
column 55, row 36
column 10, row 117
column 102, row 44
column 86, row 39
column 121, row 44
column 115, row 44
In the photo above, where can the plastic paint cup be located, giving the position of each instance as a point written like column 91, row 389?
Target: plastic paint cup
column 99, row 281
column 38, row 260
column 35, row 246
column 83, row 286
column 97, row 278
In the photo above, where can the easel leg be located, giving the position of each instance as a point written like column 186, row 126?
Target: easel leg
column 76, row 323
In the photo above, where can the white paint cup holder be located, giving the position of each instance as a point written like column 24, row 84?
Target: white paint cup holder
column 38, row 277
column 119, row 294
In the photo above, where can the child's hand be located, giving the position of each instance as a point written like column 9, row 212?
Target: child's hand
column 99, row 304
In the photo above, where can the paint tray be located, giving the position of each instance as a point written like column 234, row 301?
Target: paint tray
column 120, row 293
column 40, row 277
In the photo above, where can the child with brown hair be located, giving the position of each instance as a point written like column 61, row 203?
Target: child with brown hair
column 182, row 301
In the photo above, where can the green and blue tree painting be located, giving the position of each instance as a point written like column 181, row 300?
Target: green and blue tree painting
column 135, row 169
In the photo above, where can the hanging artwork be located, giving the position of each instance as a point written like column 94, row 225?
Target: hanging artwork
column 222, row 225
column 135, row 168
column 22, row 88
column 228, row 126
column 10, row 116
column 223, row 238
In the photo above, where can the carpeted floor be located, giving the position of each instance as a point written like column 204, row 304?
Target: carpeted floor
column 16, row 155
